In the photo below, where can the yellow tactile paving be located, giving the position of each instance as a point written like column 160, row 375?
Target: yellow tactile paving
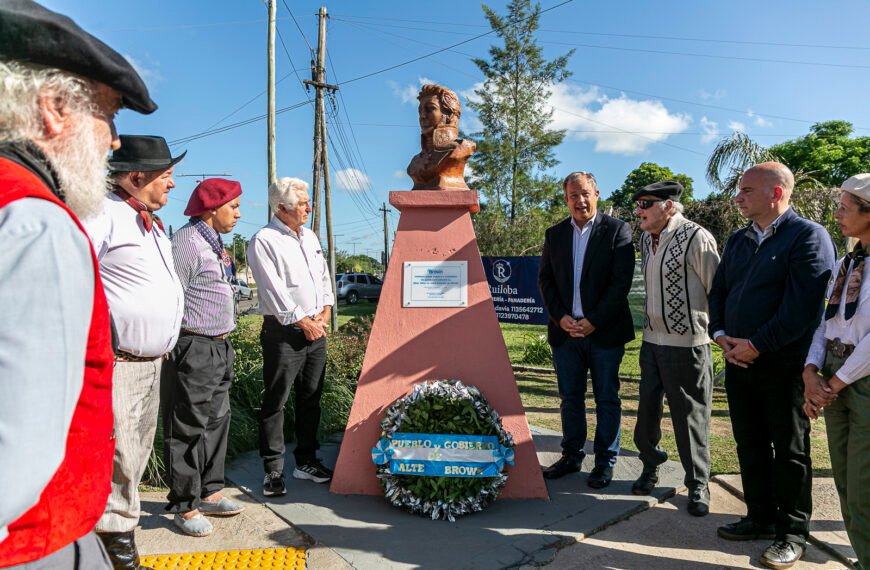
column 257, row 559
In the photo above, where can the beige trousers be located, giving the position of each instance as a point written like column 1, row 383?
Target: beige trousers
column 135, row 402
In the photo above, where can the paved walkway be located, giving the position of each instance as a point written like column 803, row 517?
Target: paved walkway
column 577, row 528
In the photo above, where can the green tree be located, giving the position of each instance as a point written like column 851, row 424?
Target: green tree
column 515, row 147
column 645, row 174
column 238, row 248
column 495, row 236
column 827, row 153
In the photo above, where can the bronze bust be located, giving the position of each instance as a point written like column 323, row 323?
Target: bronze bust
column 440, row 165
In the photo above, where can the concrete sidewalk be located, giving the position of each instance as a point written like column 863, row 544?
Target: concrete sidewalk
column 577, row 528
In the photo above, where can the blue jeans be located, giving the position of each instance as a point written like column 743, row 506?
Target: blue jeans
column 572, row 360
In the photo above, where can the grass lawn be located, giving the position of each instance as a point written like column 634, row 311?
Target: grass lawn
column 541, row 399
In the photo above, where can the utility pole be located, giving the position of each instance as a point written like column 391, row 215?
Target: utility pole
column 386, row 237
column 270, row 98
column 321, row 154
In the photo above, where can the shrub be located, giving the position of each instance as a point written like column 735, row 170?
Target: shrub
column 537, row 351
column 344, row 357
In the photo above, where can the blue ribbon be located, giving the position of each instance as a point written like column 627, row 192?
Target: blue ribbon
column 382, row 451
column 442, row 455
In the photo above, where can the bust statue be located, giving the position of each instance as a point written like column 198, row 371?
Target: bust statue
column 440, row 165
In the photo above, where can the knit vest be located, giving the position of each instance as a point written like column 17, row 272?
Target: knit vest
column 75, row 497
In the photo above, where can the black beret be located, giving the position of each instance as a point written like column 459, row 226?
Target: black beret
column 30, row 33
column 666, row 190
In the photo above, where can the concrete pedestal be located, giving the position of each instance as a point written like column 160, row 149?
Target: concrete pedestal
column 410, row 345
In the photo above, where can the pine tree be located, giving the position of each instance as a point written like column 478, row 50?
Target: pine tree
column 515, row 149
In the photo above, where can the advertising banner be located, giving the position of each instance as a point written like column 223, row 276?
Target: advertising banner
column 513, row 282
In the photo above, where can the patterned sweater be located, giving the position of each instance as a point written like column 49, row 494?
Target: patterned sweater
column 678, row 277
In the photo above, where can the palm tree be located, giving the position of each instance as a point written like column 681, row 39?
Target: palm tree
column 735, row 154
column 731, row 157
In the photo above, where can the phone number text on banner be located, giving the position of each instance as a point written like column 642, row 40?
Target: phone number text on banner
column 442, row 455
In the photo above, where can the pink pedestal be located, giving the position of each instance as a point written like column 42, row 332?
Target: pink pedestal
column 410, row 345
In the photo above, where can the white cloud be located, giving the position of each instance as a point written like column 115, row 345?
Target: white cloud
column 737, row 126
column 758, row 120
column 408, row 93
column 400, row 174
column 149, row 73
column 352, row 180
column 716, row 95
column 710, row 129
column 617, row 125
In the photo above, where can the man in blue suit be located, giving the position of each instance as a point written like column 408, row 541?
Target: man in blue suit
column 585, row 276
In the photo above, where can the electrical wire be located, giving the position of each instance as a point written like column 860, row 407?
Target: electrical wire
column 450, row 47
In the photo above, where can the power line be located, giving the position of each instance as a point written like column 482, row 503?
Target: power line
column 310, row 49
column 714, row 133
column 450, row 47
column 234, row 125
column 601, row 34
column 695, row 103
column 711, row 56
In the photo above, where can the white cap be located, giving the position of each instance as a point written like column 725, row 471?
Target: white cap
column 859, row 185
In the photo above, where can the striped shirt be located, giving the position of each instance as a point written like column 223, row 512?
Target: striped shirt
column 208, row 296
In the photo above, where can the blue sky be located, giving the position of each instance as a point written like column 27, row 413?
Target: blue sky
column 652, row 81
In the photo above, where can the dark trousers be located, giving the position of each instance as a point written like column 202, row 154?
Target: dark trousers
column 773, row 444
column 685, row 376
column 290, row 361
column 573, row 359
column 195, row 386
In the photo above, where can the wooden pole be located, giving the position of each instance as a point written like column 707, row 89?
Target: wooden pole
column 270, row 100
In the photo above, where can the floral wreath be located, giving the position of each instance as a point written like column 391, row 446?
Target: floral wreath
column 442, row 407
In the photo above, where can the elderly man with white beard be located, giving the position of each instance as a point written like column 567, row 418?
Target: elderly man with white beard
column 60, row 89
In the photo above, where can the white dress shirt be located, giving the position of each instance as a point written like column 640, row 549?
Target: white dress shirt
column 581, row 240
column 144, row 294
column 292, row 276
column 855, row 331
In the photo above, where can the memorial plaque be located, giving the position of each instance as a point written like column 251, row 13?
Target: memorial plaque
column 435, row 284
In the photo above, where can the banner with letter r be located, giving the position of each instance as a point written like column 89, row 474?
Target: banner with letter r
column 513, row 283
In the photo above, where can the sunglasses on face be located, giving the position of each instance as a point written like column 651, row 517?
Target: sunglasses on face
column 644, row 204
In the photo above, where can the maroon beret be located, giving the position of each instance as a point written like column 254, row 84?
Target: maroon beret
column 212, row 193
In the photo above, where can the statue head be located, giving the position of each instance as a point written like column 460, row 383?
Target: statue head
column 439, row 107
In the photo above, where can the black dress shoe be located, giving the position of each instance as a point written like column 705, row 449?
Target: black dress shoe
column 563, row 467
column 782, row 554
column 699, row 501
column 646, row 482
column 121, row 548
column 600, row 477
column 746, row 529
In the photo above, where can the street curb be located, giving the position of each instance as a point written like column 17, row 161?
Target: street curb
column 821, row 545
column 314, row 545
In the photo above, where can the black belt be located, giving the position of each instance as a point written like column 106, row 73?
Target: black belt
column 185, row 332
column 840, row 349
column 124, row 356
column 274, row 319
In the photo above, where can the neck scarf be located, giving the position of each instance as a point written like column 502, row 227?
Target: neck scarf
column 31, row 157
column 217, row 245
column 855, row 259
column 149, row 218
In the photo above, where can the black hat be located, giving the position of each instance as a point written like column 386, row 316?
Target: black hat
column 30, row 33
column 142, row 153
column 666, row 190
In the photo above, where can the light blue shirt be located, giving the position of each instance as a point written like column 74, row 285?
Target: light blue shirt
column 47, row 296
column 581, row 241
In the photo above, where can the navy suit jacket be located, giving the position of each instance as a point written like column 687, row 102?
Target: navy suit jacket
column 608, row 269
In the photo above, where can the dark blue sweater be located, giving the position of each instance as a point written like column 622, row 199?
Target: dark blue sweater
column 773, row 293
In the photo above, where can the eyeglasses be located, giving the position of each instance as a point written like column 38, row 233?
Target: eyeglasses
column 645, row 204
